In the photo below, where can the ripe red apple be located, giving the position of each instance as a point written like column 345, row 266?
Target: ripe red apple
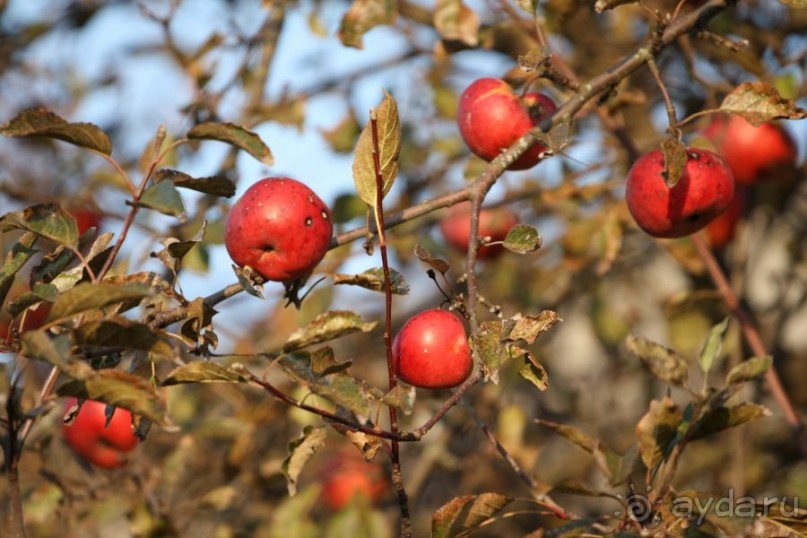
column 493, row 223
column 348, row 476
column 751, row 152
column 431, row 350
column 86, row 218
column 491, row 117
column 90, row 437
column 32, row 319
column 280, row 228
column 721, row 230
column 704, row 190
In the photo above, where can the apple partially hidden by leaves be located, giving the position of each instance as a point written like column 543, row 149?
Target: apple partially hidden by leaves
column 431, row 350
column 280, row 228
column 102, row 443
column 491, row 117
column 86, row 218
column 493, row 225
column 703, row 192
column 33, row 318
column 751, row 153
column 347, row 477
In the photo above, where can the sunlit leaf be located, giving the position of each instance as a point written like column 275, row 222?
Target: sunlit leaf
column 46, row 220
column 87, row 296
column 665, row 363
column 488, row 346
column 327, row 326
column 373, row 279
column 713, row 345
column 203, row 372
column 388, row 145
column 455, row 21
column 657, row 430
column 235, row 135
column 363, row 16
column 431, row 260
column 759, row 102
column 522, row 238
column 749, row 370
column 463, row 514
column 42, row 122
column 529, row 328
column 165, row 198
column 533, row 371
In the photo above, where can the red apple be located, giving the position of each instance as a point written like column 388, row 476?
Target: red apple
column 721, row 230
column 751, row 152
column 704, row 190
column 91, row 438
column 493, row 223
column 31, row 319
column 280, row 228
column 491, row 117
column 431, row 351
column 85, row 219
column 347, row 477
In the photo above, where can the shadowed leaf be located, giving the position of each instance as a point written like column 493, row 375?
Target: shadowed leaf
column 675, row 159
column 401, row 397
column 388, row 128
column 656, row 431
column 15, row 259
column 300, row 451
column 759, row 102
column 120, row 334
column 235, row 135
column 665, row 363
column 41, row 122
column 723, row 418
column 463, row 514
column 203, row 372
column 165, row 198
column 532, row 371
column 431, row 260
column 214, row 185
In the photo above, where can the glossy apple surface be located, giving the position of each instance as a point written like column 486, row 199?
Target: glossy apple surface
column 491, row 117
column 493, row 223
column 751, row 152
column 280, row 228
column 703, row 192
column 431, row 350
column 91, row 438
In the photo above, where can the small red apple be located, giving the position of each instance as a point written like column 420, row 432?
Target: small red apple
column 431, row 350
column 704, row 190
column 31, row 319
column 493, row 223
column 280, row 228
column 91, row 438
column 491, row 117
column 347, row 477
column 751, row 152
column 85, row 219
column 721, row 230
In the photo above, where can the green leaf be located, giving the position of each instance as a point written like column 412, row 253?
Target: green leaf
column 528, row 328
column 487, row 343
column 461, row 515
column 522, row 238
column 41, row 122
column 214, row 185
column 46, row 220
column 388, row 131
column 665, row 363
column 533, row 372
column 759, row 102
column 363, row 16
column 327, row 326
column 455, row 21
column 749, row 370
column 723, row 418
column 120, row 389
column 300, row 451
column 348, row 206
column 712, row 347
column 165, row 198
column 39, row 345
column 373, row 279
column 424, row 255
column 235, row 135
column 657, row 430
column 203, row 372
column 15, row 259
column 675, row 159
column 119, row 334
column 86, row 296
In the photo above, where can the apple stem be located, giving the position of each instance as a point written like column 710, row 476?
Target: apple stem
column 397, row 475
column 754, row 340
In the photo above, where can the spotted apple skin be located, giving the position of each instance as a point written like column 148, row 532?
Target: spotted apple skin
column 431, row 351
column 280, row 228
column 491, row 117
column 703, row 192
